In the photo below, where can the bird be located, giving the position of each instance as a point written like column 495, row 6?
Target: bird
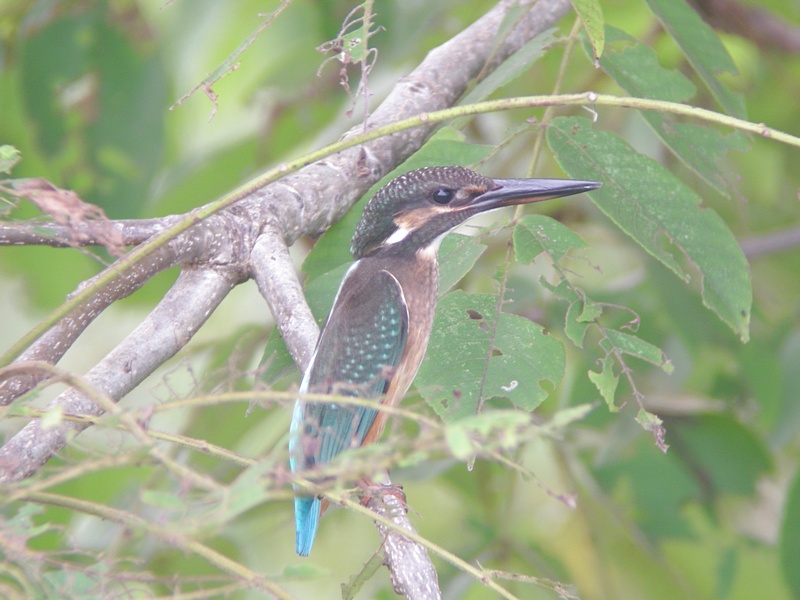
column 377, row 331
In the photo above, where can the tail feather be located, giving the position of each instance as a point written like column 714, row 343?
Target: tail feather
column 307, row 510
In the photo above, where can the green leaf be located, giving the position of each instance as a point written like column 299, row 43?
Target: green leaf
column 591, row 311
column 591, row 14
column 634, row 346
column 790, row 538
column 276, row 362
column 9, row 156
column 574, row 326
column 512, row 67
column 606, row 382
column 660, row 213
column 723, row 453
column 500, row 429
column 457, row 255
column 636, row 69
column 581, row 312
column 702, row 48
column 162, row 499
column 475, row 354
column 535, row 234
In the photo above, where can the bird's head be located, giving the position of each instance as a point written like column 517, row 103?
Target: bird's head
column 416, row 209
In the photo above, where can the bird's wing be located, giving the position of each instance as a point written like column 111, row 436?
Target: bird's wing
column 357, row 354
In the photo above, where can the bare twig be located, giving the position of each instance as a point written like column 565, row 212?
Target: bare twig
column 772, row 242
column 230, row 64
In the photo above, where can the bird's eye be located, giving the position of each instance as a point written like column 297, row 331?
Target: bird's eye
column 443, row 196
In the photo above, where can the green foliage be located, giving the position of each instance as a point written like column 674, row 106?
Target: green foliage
column 790, row 537
column 591, row 13
column 112, row 154
column 535, row 234
column 626, row 310
column 477, row 353
column 656, row 222
column 702, row 48
column 635, row 68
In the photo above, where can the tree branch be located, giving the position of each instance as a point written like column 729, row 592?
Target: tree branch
column 131, row 232
column 273, row 271
column 763, row 28
column 771, row 243
column 53, row 343
column 167, row 329
column 410, row 569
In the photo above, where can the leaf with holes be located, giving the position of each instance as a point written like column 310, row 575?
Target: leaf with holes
column 475, row 354
column 582, row 310
column 661, row 214
column 606, row 382
column 636, row 69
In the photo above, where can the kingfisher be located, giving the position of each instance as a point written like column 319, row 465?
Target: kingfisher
column 375, row 336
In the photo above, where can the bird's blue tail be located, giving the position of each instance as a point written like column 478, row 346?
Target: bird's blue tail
column 306, row 516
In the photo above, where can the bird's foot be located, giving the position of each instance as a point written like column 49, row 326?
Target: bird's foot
column 378, row 491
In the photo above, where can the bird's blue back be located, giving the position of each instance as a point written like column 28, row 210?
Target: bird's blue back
column 357, row 352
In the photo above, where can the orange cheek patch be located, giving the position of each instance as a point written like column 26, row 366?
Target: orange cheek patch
column 473, row 190
column 414, row 219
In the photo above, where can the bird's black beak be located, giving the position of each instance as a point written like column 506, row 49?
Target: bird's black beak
column 508, row 192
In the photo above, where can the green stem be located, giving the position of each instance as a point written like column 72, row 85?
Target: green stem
column 588, row 99
column 186, row 544
column 477, row 572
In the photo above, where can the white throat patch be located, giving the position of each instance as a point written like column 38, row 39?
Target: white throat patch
column 397, row 236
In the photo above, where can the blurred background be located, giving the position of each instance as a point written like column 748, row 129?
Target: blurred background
column 88, row 95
